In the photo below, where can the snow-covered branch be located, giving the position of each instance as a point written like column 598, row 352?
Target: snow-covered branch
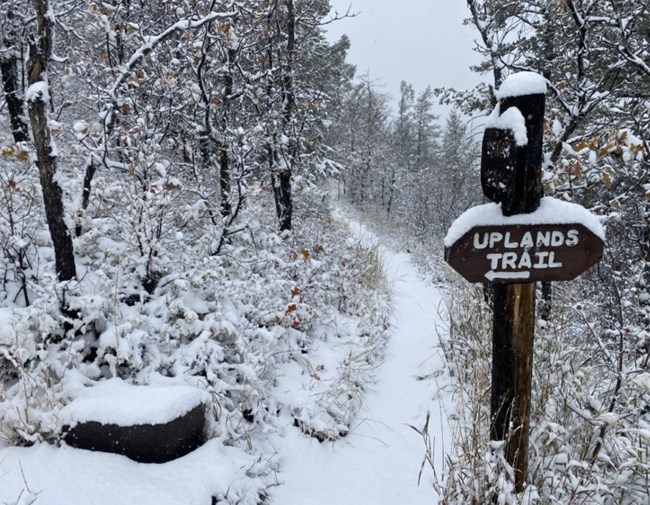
column 151, row 42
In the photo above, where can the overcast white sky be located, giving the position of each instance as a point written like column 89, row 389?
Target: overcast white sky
column 422, row 42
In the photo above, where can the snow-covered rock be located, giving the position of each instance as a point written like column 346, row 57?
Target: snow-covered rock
column 151, row 424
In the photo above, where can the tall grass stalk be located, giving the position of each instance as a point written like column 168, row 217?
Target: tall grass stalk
column 590, row 423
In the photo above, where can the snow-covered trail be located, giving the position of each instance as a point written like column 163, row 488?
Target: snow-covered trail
column 379, row 461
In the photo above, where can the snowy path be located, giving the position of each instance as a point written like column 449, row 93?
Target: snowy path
column 379, row 461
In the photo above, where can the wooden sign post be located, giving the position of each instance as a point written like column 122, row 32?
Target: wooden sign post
column 526, row 239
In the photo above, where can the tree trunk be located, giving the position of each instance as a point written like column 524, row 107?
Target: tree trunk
column 10, row 70
column 283, row 199
column 225, row 168
column 91, row 168
column 38, row 98
column 282, row 182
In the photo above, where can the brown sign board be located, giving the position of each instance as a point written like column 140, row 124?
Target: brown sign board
column 510, row 254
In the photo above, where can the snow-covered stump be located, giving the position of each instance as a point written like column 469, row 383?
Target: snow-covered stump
column 149, row 424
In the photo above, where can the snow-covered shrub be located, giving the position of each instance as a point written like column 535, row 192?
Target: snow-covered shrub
column 20, row 235
column 310, row 304
column 35, row 361
column 343, row 282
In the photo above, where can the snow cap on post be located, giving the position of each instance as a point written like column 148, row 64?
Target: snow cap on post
column 520, row 84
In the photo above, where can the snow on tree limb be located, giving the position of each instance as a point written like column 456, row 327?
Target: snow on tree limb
column 151, row 42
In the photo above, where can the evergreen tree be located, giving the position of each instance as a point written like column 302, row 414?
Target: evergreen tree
column 366, row 143
column 427, row 131
column 403, row 147
column 456, row 174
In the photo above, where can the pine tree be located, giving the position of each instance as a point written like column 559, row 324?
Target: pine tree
column 456, row 176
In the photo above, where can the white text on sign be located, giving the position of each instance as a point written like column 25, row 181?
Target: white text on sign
column 555, row 238
column 521, row 259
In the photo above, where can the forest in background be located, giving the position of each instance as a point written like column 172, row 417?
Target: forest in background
column 163, row 221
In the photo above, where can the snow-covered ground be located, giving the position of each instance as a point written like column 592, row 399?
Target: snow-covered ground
column 379, row 461
column 47, row 475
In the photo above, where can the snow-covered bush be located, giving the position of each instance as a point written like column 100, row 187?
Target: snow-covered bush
column 311, row 304
column 19, row 229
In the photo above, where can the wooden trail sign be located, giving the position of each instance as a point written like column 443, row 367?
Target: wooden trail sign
column 524, row 253
column 512, row 243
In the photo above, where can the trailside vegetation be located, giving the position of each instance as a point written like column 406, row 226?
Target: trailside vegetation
column 161, row 218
